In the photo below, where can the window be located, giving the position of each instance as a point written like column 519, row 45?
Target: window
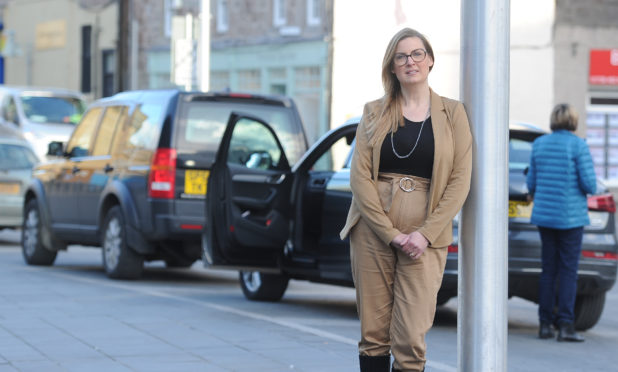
column 9, row 111
column 168, row 13
column 249, row 81
column 254, row 146
column 52, row 109
column 201, row 126
column 79, row 144
column 219, row 80
column 222, row 16
column 16, row 157
column 143, row 131
column 279, row 13
column 519, row 153
column 314, row 9
column 86, row 58
column 334, row 159
column 106, row 130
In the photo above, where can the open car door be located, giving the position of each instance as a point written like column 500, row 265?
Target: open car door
column 248, row 200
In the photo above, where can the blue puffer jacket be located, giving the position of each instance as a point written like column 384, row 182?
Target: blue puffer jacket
column 560, row 175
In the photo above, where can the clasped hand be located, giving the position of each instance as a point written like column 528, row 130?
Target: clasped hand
column 413, row 244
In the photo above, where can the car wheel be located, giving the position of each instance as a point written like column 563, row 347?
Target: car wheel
column 119, row 260
column 258, row 286
column 588, row 310
column 31, row 246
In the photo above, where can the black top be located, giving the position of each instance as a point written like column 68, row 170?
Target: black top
column 420, row 163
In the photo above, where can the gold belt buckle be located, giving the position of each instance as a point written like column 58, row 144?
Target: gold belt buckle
column 407, row 184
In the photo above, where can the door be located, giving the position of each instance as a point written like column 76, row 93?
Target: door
column 248, row 203
column 63, row 189
column 96, row 169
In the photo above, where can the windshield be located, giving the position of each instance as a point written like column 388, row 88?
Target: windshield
column 16, row 157
column 53, row 109
column 519, row 153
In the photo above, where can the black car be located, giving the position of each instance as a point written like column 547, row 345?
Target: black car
column 132, row 177
column 274, row 221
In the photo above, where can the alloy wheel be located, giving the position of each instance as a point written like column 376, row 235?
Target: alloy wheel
column 252, row 279
column 112, row 243
column 31, row 232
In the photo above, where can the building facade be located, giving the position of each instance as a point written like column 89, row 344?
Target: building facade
column 326, row 54
column 275, row 47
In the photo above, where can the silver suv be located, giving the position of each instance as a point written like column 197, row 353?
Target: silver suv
column 41, row 115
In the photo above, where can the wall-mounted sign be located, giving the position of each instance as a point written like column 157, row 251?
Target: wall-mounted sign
column 603, row 67
column 51, row 35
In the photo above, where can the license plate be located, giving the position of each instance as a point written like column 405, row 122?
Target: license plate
column 522, row 209
column 9, row 188
column 196, row 181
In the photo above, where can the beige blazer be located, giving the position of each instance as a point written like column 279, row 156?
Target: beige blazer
column 450, row 181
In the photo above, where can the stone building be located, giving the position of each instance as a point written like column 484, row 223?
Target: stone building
column 326, row 54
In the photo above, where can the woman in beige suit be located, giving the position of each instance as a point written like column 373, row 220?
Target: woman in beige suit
column 410, row 176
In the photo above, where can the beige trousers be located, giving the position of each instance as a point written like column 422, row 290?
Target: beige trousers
column 396, row 295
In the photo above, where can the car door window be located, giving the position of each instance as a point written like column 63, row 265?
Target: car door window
column 9, row 110
column 112, row 118
column 79, row 144
column 254, row 146
column 334, row 159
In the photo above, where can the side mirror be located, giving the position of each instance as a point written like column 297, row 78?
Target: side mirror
column 526, row 171
column 55, row 148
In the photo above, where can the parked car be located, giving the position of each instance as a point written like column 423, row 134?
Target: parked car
column 16, row 162
column 274, row 221
column 41, row 115
column 133, row 175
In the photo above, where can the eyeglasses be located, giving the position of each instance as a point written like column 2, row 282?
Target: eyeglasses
column 417, row 55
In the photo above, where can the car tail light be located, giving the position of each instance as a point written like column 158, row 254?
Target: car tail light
column 603, row 202
column 600, row 255
column 162, row 177
column 453, row 248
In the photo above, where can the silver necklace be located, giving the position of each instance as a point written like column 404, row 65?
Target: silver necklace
column 417, row 138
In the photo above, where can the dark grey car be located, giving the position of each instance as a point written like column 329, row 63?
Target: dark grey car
column 275, row 221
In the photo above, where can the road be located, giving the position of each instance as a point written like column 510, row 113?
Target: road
column 70, row 317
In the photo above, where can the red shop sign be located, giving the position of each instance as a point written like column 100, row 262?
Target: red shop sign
column 603, row 67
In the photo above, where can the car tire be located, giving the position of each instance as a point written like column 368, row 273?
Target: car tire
column 588, row 310
column 258, row 286
column 31, row 245
column 119, row 260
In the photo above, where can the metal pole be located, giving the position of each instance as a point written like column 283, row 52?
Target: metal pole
column 204, row 46
column 483, row 257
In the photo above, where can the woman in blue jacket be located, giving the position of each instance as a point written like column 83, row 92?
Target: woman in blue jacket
column 561, row 173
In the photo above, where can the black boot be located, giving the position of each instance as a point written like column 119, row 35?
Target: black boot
column 546, row 331
column 566, row 332
column 380, row 363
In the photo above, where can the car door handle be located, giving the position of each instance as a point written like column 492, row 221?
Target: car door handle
column 75, row 169
column 276, row 179
column 108, row 168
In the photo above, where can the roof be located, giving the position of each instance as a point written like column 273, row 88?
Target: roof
column 41, row 90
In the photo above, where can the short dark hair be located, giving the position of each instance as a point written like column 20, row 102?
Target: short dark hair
column 563, row 116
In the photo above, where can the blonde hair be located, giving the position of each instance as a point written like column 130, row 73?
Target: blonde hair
column 390, row 114
column 563, row 116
